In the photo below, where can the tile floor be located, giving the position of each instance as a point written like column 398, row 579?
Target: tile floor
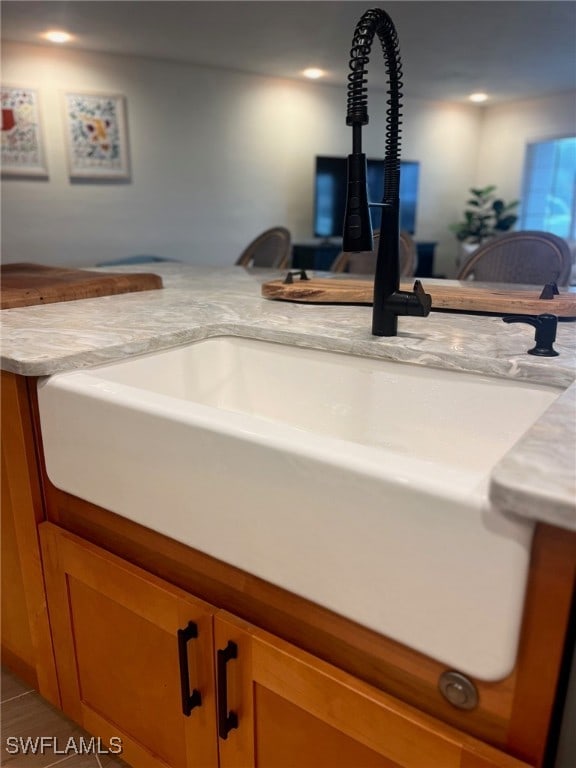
column 24, row 713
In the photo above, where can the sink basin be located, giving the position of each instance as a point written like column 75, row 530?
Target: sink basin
column 359, row 484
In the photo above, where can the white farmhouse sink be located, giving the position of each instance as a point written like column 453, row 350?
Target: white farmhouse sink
column 359, row 484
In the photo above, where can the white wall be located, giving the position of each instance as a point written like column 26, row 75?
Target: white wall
column 219, row 156
column 508, row 128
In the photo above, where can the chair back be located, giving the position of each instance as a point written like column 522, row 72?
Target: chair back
column 364, row 263
column 408, row 255
column 272, row 249
column 529, row 257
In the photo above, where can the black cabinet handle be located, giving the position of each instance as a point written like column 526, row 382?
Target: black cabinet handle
column 194, row 699
column 227, row 721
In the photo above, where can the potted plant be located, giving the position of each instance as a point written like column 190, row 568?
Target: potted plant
column 485, row 217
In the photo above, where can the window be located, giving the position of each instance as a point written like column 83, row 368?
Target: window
column 549, row 194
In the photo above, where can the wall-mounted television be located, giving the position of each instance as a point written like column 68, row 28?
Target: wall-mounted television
column 330, row 194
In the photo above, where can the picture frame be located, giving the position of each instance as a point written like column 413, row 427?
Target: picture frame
column 22, row 152
column 97, row 137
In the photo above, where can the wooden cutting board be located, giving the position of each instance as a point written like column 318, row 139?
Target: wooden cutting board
column 23, row 285
column 446, row 295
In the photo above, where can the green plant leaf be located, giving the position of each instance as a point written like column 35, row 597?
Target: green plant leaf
column 485, row 215
column 505, row 223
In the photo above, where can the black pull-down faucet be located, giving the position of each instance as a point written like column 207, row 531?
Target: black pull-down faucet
column 389, row 300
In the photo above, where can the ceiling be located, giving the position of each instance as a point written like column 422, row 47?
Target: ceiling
column 510, row 49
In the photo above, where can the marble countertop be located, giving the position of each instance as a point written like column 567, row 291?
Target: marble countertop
column 536, row 479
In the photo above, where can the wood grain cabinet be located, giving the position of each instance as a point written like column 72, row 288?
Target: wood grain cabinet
column 133, row 652
column 128, row 646
column 26, row 643
column 295, row 711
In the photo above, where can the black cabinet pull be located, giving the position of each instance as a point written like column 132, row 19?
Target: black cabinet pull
column 194, row 699
column 227, row 721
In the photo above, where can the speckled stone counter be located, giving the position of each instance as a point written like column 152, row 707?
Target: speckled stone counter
column 537, row 478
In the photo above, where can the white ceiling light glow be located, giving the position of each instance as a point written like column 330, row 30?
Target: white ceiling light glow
column 57, row 36
column 313, row 73
column 478, row 97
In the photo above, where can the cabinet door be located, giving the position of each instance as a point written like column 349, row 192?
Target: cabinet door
column 279, row 707
column 132, row 653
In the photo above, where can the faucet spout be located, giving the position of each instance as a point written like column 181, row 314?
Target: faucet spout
column 389, row 301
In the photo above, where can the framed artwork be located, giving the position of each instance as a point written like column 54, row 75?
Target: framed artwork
column 96, row 135
column 22, row 141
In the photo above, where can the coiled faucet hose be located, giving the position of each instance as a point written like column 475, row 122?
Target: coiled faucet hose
column 376, row 21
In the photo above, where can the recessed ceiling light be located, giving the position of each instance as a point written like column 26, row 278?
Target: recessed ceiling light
column 478, row 97
column 313, row 73
column 57, row 36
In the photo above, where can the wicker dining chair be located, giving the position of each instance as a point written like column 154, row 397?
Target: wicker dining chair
column 529, row 257
column 364, row 263
column 272, row 248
